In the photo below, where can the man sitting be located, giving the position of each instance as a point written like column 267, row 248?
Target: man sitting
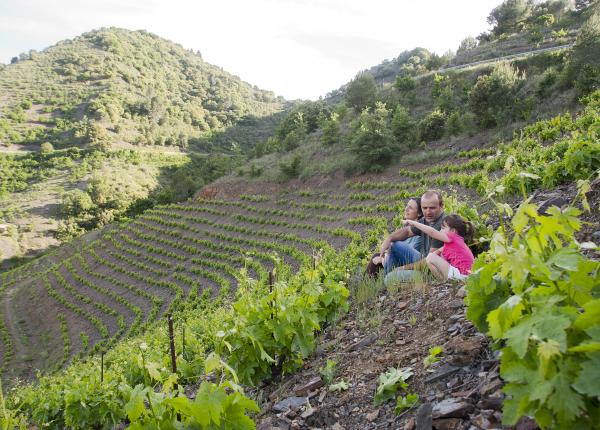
column 402, row 261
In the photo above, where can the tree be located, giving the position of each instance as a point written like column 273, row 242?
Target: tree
column 46, row 148
column 584, row 68
column 582, row 4
column 372, row 141
column 331, row 130
column 403, row 127
column 361, row 92
column 405, row 83
column 467, row 44
column 506, row 17
column 432, row 126
column 493, row 97
column 98, row 138
column 76, row 203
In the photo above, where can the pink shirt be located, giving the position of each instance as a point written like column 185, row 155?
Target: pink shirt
column 457, row 253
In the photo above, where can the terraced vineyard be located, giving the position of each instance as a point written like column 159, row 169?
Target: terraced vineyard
column 94, row 293
column 114, row 286
column 85, row 297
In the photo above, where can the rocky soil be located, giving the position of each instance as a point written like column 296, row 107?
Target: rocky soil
column 394, row 330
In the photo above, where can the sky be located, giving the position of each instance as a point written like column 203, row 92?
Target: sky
column 299, row 49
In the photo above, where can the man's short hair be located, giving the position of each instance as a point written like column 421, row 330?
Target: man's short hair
column 433, row 193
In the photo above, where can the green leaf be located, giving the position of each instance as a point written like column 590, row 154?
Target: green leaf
column 588, row 379
column 590, row 316
column 553, row 327
column 501, row 319
column 518, row 336
column 340, row 386
column 390, row 382
column 135, row 407
column 403, row 403
column 209, row 403
column 565, row 402
column 565, row 258
column 153, row 371
column 589, row 346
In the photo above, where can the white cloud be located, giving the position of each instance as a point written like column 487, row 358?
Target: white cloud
column 297, row 48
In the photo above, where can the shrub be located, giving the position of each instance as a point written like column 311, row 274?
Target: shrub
column 46, row 148
column 331, row 130
column 405, row 83
column 432, row 127
column 76, row 203
column 291, row 169
column 372, row 141
column 584, row 68
column 454, row 124
column 403, row 127
column 493, row 97
column 361, row 92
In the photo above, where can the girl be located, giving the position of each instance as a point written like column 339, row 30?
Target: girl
column 457, row 259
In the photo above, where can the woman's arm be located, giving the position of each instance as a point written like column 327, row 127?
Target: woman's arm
column 400, row 234
column 429, row 231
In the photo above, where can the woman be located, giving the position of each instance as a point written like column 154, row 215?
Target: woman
column 412, row 211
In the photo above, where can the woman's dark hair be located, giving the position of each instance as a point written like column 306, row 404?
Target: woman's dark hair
column 464, row 228
column 418, row 202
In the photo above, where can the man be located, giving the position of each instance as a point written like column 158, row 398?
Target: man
column 402, row 260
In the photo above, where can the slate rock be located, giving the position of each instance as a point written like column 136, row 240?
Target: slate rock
column 373, row 416
column 452, row 408
column 313, row 384
column 362, row 343
column 465, row 349
column 423, row 421
column 293, row 403
column 448, row 424
column 410, row 424
column 443, row 372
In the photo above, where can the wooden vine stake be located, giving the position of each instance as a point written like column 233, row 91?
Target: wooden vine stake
column 172, row 345
column 271, row 291
column 101, row 366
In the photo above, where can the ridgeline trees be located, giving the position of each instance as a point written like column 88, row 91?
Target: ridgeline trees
column 507, row 16
column 585, row 60
column 361, row 92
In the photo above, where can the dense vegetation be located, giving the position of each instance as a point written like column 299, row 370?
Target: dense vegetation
column 412, row 101
column 112, row 85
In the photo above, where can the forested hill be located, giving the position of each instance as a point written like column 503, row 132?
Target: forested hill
column 112, row 87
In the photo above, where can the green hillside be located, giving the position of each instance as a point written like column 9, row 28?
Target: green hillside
column 113, row 86
column 125, row 117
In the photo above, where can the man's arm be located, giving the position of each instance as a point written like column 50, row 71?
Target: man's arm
column 400, row 234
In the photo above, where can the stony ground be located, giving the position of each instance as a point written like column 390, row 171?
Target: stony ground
column 393, row 330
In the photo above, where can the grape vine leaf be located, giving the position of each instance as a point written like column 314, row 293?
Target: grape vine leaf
column 208, row 405
column 589, row 376
column 135, row 406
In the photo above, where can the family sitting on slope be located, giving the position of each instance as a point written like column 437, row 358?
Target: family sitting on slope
column 430, row 239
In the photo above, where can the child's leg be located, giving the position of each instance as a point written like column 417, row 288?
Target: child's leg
column 438, row 266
